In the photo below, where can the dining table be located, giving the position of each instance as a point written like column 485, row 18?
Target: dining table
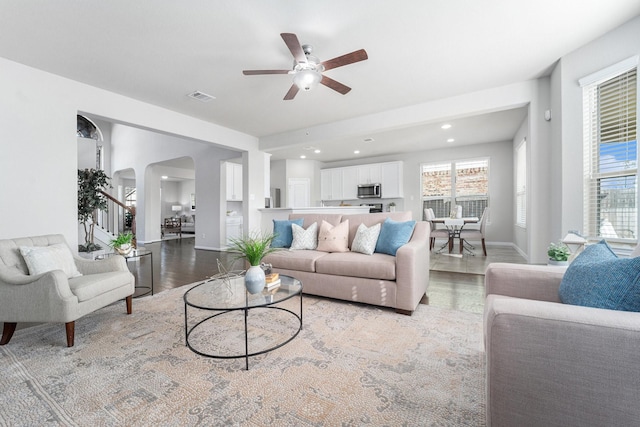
column 454, row 226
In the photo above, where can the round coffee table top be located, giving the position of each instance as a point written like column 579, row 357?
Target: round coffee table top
column 230, row 293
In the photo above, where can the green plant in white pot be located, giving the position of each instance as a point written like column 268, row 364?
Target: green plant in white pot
column 558, row 254
column 123, row 244
column 253, row 248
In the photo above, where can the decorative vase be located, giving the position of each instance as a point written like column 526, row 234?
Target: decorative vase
column 123, row 249
column 559, row 263
column 254, row 279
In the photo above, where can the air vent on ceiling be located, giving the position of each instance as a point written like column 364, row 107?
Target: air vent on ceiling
column 201, row 96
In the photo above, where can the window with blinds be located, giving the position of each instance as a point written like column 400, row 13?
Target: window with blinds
column 611, row 150
column 521, row 184
column 464, row 183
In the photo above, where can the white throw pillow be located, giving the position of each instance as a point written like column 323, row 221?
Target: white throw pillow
column 304, row 239
column 41, row 259
column 366, row 239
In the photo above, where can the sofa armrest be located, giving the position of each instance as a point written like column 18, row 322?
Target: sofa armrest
column 111, row 263
column 33, row 298
column 412, row 268
column 554, row 364
column 535, row 282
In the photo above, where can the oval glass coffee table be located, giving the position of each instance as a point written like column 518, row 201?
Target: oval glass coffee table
column 215, row 309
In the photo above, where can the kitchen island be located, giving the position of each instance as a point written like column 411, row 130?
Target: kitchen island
column 269, row 214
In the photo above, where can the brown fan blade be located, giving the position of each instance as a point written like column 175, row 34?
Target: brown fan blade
column 257, row 72
column 337, row 86
column 349, row 58
column 292, row 93
column 294, row 46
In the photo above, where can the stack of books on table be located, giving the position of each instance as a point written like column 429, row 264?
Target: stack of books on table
column 273, row 280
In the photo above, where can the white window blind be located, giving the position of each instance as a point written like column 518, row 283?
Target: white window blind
column 521, row 184
column 610, row 138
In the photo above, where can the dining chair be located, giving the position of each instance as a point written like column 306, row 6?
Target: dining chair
column 469, row 234
column 435, row 232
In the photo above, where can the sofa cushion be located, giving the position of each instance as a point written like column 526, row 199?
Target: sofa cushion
column 394, row 234
column 41, row 259
column 333, row 238
column 598, row 278
column 370, row 219
column 304, row 239
column 91, row 286
column 333, row 219
column 295, row 260
column 366, row 239
column 353, row 264
column 283, row 234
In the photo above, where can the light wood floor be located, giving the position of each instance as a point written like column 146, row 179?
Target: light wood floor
column 455, row 283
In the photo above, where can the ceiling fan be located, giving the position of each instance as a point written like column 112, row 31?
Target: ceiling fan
column 307, row 69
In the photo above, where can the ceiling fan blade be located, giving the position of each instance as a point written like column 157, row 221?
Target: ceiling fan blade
column 293, row 91
column 349, row 58
column 294, row 46
column 337, row 86
column 258, row 72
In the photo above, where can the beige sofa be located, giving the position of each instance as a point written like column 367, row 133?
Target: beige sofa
column 552, row 364
column 52, row 296
column 397, row 281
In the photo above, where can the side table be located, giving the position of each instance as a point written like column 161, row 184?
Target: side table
column 138, row 254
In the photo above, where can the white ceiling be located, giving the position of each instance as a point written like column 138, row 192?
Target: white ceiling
column 419, row 50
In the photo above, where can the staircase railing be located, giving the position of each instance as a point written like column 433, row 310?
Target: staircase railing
column 118, row 218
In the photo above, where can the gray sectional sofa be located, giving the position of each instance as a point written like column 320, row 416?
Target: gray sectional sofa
column 397, row 281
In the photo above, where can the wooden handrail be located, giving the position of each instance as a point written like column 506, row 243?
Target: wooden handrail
column 118, row 202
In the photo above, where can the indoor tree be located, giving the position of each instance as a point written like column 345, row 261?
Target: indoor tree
column 90, row 184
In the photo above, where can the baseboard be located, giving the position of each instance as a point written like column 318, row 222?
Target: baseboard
column 210, row 248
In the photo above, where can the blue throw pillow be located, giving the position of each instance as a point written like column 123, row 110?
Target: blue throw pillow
column 283, row 233
column 394, row 234
column 598, row 278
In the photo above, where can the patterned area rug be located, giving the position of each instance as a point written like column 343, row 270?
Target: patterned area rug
column 351, row 365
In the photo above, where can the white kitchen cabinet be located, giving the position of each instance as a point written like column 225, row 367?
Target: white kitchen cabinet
column 349, row 183
column 234, row 181
column 331, row 184
column 391, row 180
column 342, row 183
column 369, row 174
column 234, row 228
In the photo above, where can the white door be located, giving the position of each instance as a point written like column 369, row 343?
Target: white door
column 299, row 193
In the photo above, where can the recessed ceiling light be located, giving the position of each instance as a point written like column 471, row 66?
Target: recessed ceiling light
column 317, row 151
column 446, row 126
column 356, row 152
column 165, row 177
column 303, row 157
column 450, row 140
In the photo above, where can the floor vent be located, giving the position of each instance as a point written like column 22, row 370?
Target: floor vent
column 201, row 96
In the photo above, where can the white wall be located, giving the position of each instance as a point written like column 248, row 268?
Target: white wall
column 37, row 133
column 144, row 151
column 616, row 46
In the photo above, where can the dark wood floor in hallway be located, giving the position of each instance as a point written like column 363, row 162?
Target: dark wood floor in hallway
column 176, row 263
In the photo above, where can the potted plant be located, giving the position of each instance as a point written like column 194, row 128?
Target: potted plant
column 91, row 183
column 253, row 248
column 558, row 254
column 123, row 244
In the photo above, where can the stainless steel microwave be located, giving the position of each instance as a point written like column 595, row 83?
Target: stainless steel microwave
column 369, row 191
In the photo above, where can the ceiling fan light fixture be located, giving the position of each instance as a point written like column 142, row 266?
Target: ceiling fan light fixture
column 307, row 79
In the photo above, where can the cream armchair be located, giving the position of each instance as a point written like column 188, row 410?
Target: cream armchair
column 53, row 296
column 552, row 364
